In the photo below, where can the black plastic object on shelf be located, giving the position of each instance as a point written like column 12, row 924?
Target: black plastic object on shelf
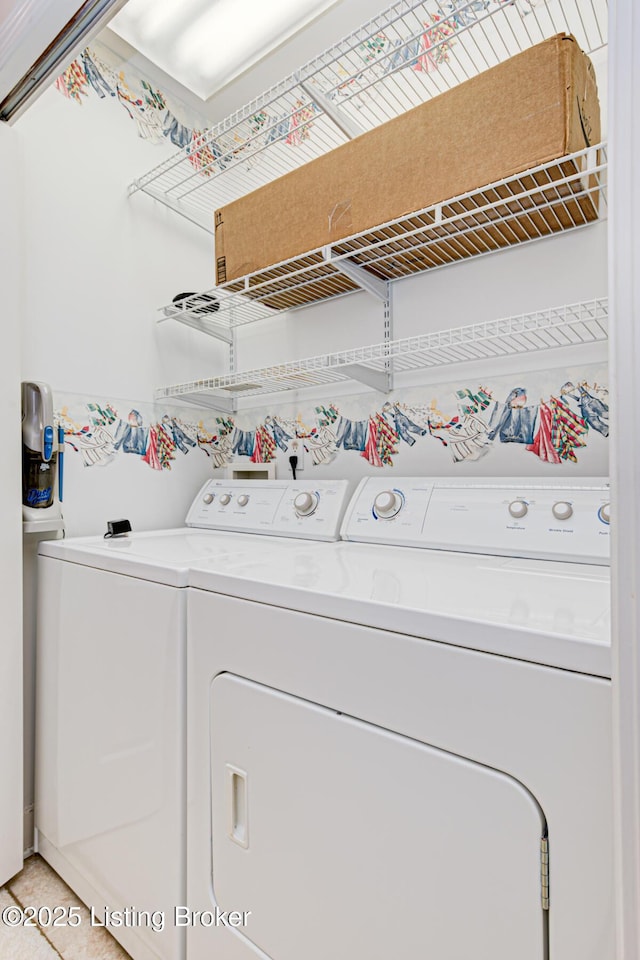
column 197, row 302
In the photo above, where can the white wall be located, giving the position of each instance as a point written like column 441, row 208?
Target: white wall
column 10, row 510
column 98, row 267
column 99, row 264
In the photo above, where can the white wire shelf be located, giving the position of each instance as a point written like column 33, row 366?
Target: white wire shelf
column 401, row 58
column 560, row 195
column 375, row 365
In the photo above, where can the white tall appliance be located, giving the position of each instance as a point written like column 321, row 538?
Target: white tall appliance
column 111, row 694
column 42, row 475
column 403, row 747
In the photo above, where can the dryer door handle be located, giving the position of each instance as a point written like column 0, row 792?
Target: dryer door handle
column 237, row 805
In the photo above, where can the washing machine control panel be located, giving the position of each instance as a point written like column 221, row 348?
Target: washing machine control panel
column 509, row 517
column 283, row 508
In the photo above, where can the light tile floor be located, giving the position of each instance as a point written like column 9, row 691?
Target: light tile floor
column 38, row 886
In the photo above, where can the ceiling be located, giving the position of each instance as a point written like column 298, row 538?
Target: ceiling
column 206, row 44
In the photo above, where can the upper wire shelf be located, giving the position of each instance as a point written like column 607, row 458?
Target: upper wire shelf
column 565, row 326
column 401, row 58
column 560, row 195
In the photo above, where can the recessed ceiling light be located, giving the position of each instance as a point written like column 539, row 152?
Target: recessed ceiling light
column 205, row 44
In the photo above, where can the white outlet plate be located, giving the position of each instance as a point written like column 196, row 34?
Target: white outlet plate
column 296, row 449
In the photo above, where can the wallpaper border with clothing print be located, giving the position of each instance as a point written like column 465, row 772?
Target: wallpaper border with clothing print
column 554, row 428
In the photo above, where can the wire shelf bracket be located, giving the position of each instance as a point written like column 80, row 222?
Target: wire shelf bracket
column 203, row 325
column 363, row 279
column 377, row 380
column 342, row 120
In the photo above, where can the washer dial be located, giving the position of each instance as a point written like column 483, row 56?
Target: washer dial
column 243, row 499
column 208, row 498
column 225, row 499
column 604, row 513
column 562, row 510
column 518, row 509
column 387, row 505
column 306, row 503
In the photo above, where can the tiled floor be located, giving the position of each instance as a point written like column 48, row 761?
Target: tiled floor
column 38, row 886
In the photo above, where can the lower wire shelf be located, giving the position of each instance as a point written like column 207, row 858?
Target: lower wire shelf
column 375, row 365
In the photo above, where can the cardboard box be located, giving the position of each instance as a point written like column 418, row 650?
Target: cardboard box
column 536, row 107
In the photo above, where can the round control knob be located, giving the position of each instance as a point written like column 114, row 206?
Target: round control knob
column 243, row 499
column 305, row 503
column 387, row 505
column 562, row 510
column 604, row 513
column 208, row 498
column 518, row 509
column 225, row 499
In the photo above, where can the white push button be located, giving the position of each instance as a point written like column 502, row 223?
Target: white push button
column 225, row 499
column 387, row 504
column 243, row 500
column 562, row 510
column 518, row 509
column 208, row 498
column 305, row 503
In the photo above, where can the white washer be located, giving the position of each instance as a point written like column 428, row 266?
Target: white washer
column 111, row 695
column 405, row 751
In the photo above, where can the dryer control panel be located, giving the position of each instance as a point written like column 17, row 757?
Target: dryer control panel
column 312, row 511
column 508, row 517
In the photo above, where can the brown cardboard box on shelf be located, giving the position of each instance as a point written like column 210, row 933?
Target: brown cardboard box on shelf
column 536, row 107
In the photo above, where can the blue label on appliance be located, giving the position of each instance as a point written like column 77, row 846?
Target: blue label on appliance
column 35, row 496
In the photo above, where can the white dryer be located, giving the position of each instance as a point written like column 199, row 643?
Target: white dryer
column 401, row 747
column 111, row 696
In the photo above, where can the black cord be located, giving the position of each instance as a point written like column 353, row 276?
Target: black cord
column 293, row 463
